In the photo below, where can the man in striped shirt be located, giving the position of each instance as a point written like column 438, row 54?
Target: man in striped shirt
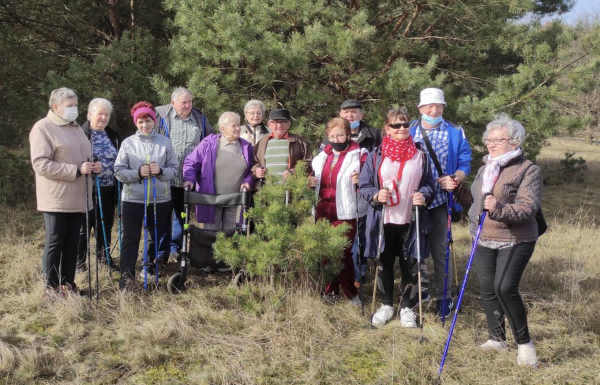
column 279, row 152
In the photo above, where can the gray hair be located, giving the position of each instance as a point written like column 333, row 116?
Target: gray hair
column 516, row 131
column 179, row 91
column 99, row 103
column 254, row 103
column 226, row 118
column 60, row 94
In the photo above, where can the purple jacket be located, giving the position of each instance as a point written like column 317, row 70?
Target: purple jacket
column 199, row 168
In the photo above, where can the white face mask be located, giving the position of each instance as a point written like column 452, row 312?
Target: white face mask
column 70, row 114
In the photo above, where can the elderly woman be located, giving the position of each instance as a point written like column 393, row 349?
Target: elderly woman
column 105, row 145
column 254, row 129
column 220, row 164
column 390, row 177
column 509, row 187
column 60, row 155
column 335, row 180
column 144, row 155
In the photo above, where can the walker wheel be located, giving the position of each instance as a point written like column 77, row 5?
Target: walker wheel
column 173, row 282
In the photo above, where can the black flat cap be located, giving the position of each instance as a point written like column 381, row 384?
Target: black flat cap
column 351, row 103
column 282, row 114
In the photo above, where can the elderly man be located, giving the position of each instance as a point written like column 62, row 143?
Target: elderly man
column 453, row 153
column 254, row 129
column 279, row 152
column 366, row 136
column 186, row 126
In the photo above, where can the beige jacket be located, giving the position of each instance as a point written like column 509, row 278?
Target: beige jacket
column 57, row 149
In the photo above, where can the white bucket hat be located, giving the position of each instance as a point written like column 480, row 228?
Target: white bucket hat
column 432, row 96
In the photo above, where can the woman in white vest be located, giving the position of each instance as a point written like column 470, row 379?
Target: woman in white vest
column 336, row 170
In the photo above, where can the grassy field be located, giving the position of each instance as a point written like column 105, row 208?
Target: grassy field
column 257, row 334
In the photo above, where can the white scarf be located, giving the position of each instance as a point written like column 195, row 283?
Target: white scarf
column 492, row 168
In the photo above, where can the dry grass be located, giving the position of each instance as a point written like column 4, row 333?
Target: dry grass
column 216, row 334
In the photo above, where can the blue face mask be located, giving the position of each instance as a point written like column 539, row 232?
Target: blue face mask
column 432, row 121
column 354, row 125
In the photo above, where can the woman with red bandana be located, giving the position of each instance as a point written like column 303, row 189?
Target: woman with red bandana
column 336, row 170
column 390, row 177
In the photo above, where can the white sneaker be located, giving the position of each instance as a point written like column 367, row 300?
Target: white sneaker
column 527, row 355
column 355, row 301
column 494, row 345
column 408, row 319
column 151, row 277
column 330, row 298
column 383, row 315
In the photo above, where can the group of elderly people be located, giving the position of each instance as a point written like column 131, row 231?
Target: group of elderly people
column 365, row 177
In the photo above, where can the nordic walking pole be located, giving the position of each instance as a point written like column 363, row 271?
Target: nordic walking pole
column 462, row 289
column 95, row 159
column 418, row 225
column 359, row 285
column 156, row 267
column 448, row 241
column 119, row 213
column 106, row 246
column 379, row 244
column 145, row 234
column 87, row 232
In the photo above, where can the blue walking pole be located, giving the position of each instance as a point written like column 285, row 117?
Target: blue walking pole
column 448, row 240
column 155, row 230
column 119, row 214
column 106, row 247
column 462, row 290
column 146, row 234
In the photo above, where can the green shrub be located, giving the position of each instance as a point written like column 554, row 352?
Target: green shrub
column 287, row 244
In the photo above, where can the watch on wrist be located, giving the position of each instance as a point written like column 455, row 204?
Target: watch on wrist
column 78, row 172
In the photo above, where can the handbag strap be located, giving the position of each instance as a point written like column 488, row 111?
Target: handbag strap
column 432, row 154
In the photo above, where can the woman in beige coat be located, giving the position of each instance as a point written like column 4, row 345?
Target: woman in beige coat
column 59, row 150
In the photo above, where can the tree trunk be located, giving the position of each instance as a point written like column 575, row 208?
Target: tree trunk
column 114, row 17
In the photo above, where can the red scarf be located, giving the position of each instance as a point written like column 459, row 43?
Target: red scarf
column 398, row 151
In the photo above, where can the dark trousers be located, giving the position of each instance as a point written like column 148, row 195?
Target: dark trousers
column 395, row 235
column 171, row 240
column 437, row 244
column 133, row 221
column 109, row 202
column 345, row 278
column 499, row 273
column 60, row 251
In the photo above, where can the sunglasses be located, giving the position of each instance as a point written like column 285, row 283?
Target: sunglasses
column 398, row 125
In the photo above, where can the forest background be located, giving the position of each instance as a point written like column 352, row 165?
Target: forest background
column 304, row 55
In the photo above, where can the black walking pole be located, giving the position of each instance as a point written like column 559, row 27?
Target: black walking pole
column 418, row 230
column 379, row 244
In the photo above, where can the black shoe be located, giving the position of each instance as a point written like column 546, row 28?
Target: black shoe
column 126, row 283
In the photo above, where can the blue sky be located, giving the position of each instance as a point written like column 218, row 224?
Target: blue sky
column 582, row 8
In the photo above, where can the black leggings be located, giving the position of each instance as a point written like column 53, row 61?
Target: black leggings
column 395, row 236
column 133, row 221
column 109, row 202
column 499, row 273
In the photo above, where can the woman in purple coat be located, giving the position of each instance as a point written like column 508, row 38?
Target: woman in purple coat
column 220, row 164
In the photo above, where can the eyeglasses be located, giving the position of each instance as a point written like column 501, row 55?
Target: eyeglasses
column 396, row 126
column 487, row 142
column 338, row 137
